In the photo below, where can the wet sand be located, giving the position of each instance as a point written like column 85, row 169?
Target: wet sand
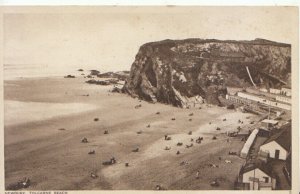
column 18, row 112
column 57, row 160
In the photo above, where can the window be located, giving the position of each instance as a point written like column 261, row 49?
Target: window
column 266, row 179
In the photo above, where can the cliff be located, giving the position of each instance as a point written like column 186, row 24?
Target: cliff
column 180, row 72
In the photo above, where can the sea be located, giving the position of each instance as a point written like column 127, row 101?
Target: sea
column 35, row 111
column 13, row 71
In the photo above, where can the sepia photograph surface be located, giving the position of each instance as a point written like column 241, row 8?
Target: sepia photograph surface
column 149, row 98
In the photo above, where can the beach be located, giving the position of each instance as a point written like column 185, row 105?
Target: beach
column 36, row 109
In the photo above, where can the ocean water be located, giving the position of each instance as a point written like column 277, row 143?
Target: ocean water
column 12, row 71
column 17, row 112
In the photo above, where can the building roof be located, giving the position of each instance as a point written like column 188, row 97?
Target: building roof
column 270, row 121
column 254, row 164
column 283, row 137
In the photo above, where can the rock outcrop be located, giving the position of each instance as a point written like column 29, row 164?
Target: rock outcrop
column 121, row 75
column 181, row 72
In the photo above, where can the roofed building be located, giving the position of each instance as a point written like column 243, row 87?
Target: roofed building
column 275, row 91
column 285, row 99
column 268, row 123
column 287, row 91
column 248, row 143
column 257, row 175
column 278, row 145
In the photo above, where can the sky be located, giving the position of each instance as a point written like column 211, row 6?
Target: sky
column 108, row 38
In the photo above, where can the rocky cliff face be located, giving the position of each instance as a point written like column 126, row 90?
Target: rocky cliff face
column 180, row 72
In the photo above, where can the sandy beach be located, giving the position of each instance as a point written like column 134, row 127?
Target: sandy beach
column 35, row 110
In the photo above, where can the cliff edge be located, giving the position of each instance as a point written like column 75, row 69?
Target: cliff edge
column 180, row 72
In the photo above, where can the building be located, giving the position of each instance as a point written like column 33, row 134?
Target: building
column 278, row 145
column 263, row 90
column 250, row 96
column 285, row 99
column 275, row 91
column 248, row 143
column 286, row 91
column 257, row 175
column 265, row 101
column 239, row 100
column 268, row 123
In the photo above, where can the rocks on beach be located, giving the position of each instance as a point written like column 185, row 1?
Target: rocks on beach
column 70, row 76
column 94, row 72
column 104, row 83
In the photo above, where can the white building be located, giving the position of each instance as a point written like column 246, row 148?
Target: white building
column 286, row 99
column 286, row 91
column 275, row 91
column 278, row 145
column 267, row 123
column 263, row 100
column 258, row 176
column 248, row 143
column 263, row 90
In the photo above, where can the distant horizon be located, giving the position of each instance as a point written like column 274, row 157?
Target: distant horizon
column 34, row 71
column 108, row 38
